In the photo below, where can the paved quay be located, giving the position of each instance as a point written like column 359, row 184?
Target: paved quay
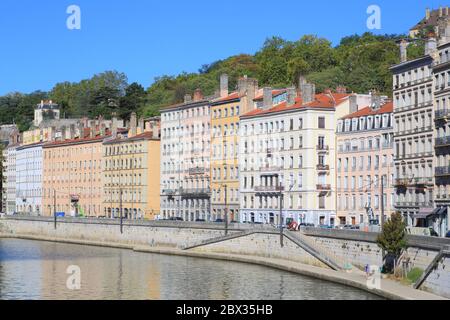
column 389, row 289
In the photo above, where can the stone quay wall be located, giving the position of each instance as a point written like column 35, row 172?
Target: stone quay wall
column 356, row 248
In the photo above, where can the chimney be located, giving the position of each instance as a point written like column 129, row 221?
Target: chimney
column 267, row 98
column 53, row 134
column 71, row 131
column 291, row 95
column 440, row 11
column 63, row 133
column 141, row 125
column 308, row 93
column 431, row 43
column 198, row 95
column 353, row 103
column 223, row 85
column 247, row 88
column 403, row 51
column 375, row 100
column 133, row 124
column 427, row 14
column 187, row 98
column 114, row 126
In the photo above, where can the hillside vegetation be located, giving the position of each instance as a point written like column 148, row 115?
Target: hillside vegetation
column 360, row 63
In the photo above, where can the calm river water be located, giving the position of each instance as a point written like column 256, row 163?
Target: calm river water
column 38, row 270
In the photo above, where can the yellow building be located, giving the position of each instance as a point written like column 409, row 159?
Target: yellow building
column 131, row 179
column 225, row 112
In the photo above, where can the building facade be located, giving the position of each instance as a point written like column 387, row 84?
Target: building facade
column 9, row 172
column 441, row 70
column 365, row 159
column 225, row 124
column 288, row 150
column 131, row 173
column 185, row 159
column 413, row 136
column 72, row 181
column 29, row 172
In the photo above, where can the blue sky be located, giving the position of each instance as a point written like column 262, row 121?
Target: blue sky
column 146, row 38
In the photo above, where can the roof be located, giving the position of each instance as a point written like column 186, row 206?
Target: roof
column 275, row 92
column 321, row 101
column 75, row 141
column 231, row 97
column 143, row 136
column 368, row 111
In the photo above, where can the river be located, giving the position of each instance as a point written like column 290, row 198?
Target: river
column 35, row 270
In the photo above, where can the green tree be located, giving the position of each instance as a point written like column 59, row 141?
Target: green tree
column 393, row 237
column 132, row 101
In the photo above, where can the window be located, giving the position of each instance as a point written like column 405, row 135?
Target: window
column 321, row 123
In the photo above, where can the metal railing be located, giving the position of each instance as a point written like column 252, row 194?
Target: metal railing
column 442, row 141
column 442, row 171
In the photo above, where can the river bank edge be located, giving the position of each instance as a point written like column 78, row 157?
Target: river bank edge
column 391, row 290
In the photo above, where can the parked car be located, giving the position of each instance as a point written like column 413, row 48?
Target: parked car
column 324, row 226
column 176, row 219
column 447, row 235
column 219, row 221
column 200, row 220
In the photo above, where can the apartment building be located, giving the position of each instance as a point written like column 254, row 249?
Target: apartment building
column 72, row 180
column 413, row 135
column 365, row 159
column 9, row 172
column 131, row 171
column 29, row 171
column 185, row 159
column 288, row 149
column 225, row 139
column 441, row 70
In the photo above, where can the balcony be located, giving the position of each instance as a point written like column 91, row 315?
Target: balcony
column 323, row 148
column 324, row 187
column 414, row 204
column 422, row 181
column 197, row 171
column 442, row 114
column 442, row 171
column 199, row 193
column 169, row 192
column 269, row 189
column 442, row 142
column 270, row 169
column 323, row 167
column 403, row 182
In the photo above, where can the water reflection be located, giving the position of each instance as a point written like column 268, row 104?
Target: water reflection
column 37, row 270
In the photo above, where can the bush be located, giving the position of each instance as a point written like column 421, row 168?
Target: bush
column 415, row 274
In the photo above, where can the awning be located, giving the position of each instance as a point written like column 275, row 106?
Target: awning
column 442, row 211
column 425, row 213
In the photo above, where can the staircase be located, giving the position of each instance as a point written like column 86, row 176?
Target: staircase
column 443, row 252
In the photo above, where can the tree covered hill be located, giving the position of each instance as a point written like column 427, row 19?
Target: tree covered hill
column 360, row 63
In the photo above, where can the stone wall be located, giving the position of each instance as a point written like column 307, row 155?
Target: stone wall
column 357, row 248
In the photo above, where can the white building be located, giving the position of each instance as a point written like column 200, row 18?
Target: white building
column 29, row 179
column 185, row 159
column 289, row 149
column 10, row 175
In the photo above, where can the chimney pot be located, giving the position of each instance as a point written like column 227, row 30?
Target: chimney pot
column 223, row 85
column 187, row 98
column 267, row 98
column 308, row 93
column 403, row 51
column 198, row 95
column 427, row 14
column 291, row 95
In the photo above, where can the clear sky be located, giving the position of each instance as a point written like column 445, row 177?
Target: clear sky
column 146, row 38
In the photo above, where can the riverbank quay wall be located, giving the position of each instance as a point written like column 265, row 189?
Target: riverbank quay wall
column 353, row 247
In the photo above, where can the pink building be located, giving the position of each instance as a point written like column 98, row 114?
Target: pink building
column 364, row 159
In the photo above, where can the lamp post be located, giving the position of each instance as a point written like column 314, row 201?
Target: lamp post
column 281, row 216
column 226, row 210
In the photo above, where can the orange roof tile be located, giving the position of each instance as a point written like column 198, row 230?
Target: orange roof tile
column 322, row 100
column 368, row 111
column 231, row 96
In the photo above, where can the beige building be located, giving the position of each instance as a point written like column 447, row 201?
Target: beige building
column 131, row 172
column 72, row 175
column 364, row 159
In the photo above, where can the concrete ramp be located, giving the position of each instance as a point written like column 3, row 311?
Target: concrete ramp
column 442, row 253
column 206, row 242
column 303, row 242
